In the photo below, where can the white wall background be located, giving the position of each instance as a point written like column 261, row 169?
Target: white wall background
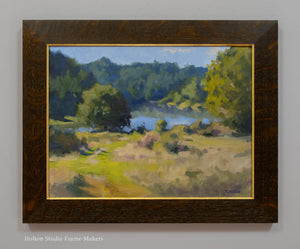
column 285, row 234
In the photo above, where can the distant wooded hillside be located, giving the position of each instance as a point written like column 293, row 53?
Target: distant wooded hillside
column 139, row 82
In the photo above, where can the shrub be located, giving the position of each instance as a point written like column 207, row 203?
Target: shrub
column 188, row 130
column 141, row 129
column 217, row 129
column 199, row 125
column 63, row 141
column 161, row 126
column 148, row 141
column 173, row 135
column 175, row 147
column 210, row 130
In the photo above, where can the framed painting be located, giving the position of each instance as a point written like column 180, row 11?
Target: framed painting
column 149, row 121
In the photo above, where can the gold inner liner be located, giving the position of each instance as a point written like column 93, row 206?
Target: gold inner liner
column 147, row 198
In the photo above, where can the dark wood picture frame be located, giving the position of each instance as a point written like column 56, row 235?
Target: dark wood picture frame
column 262, row 34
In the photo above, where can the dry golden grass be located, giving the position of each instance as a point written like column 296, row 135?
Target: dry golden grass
column 156, row 164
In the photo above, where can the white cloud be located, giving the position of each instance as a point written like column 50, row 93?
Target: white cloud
column 177, row 50
column 213, row 51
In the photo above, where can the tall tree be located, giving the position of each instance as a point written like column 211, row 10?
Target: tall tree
column 66, row 82
column 228, row 83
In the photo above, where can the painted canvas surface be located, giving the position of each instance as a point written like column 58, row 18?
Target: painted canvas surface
column 150, row 122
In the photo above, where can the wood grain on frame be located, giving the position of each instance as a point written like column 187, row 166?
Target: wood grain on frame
column 36, row 36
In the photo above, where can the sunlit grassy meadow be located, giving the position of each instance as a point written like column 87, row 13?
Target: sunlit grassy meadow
column 174, row 163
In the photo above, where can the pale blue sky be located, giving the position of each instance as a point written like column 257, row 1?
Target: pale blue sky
column 198, row 56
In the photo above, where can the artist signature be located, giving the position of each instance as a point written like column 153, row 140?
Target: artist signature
column 232, row 191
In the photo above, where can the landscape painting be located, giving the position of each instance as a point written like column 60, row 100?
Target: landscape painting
column 155, row 121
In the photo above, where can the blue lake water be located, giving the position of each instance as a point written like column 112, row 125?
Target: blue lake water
column 149, row 122
column 84, row 129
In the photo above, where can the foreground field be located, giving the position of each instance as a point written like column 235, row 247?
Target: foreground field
column 174, row 163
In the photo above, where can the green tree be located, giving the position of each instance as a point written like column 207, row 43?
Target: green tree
column 190, row 94
column 228, row 83
column 67, row 83
column 67, row 80
column 104, row 107
column 161, row 125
